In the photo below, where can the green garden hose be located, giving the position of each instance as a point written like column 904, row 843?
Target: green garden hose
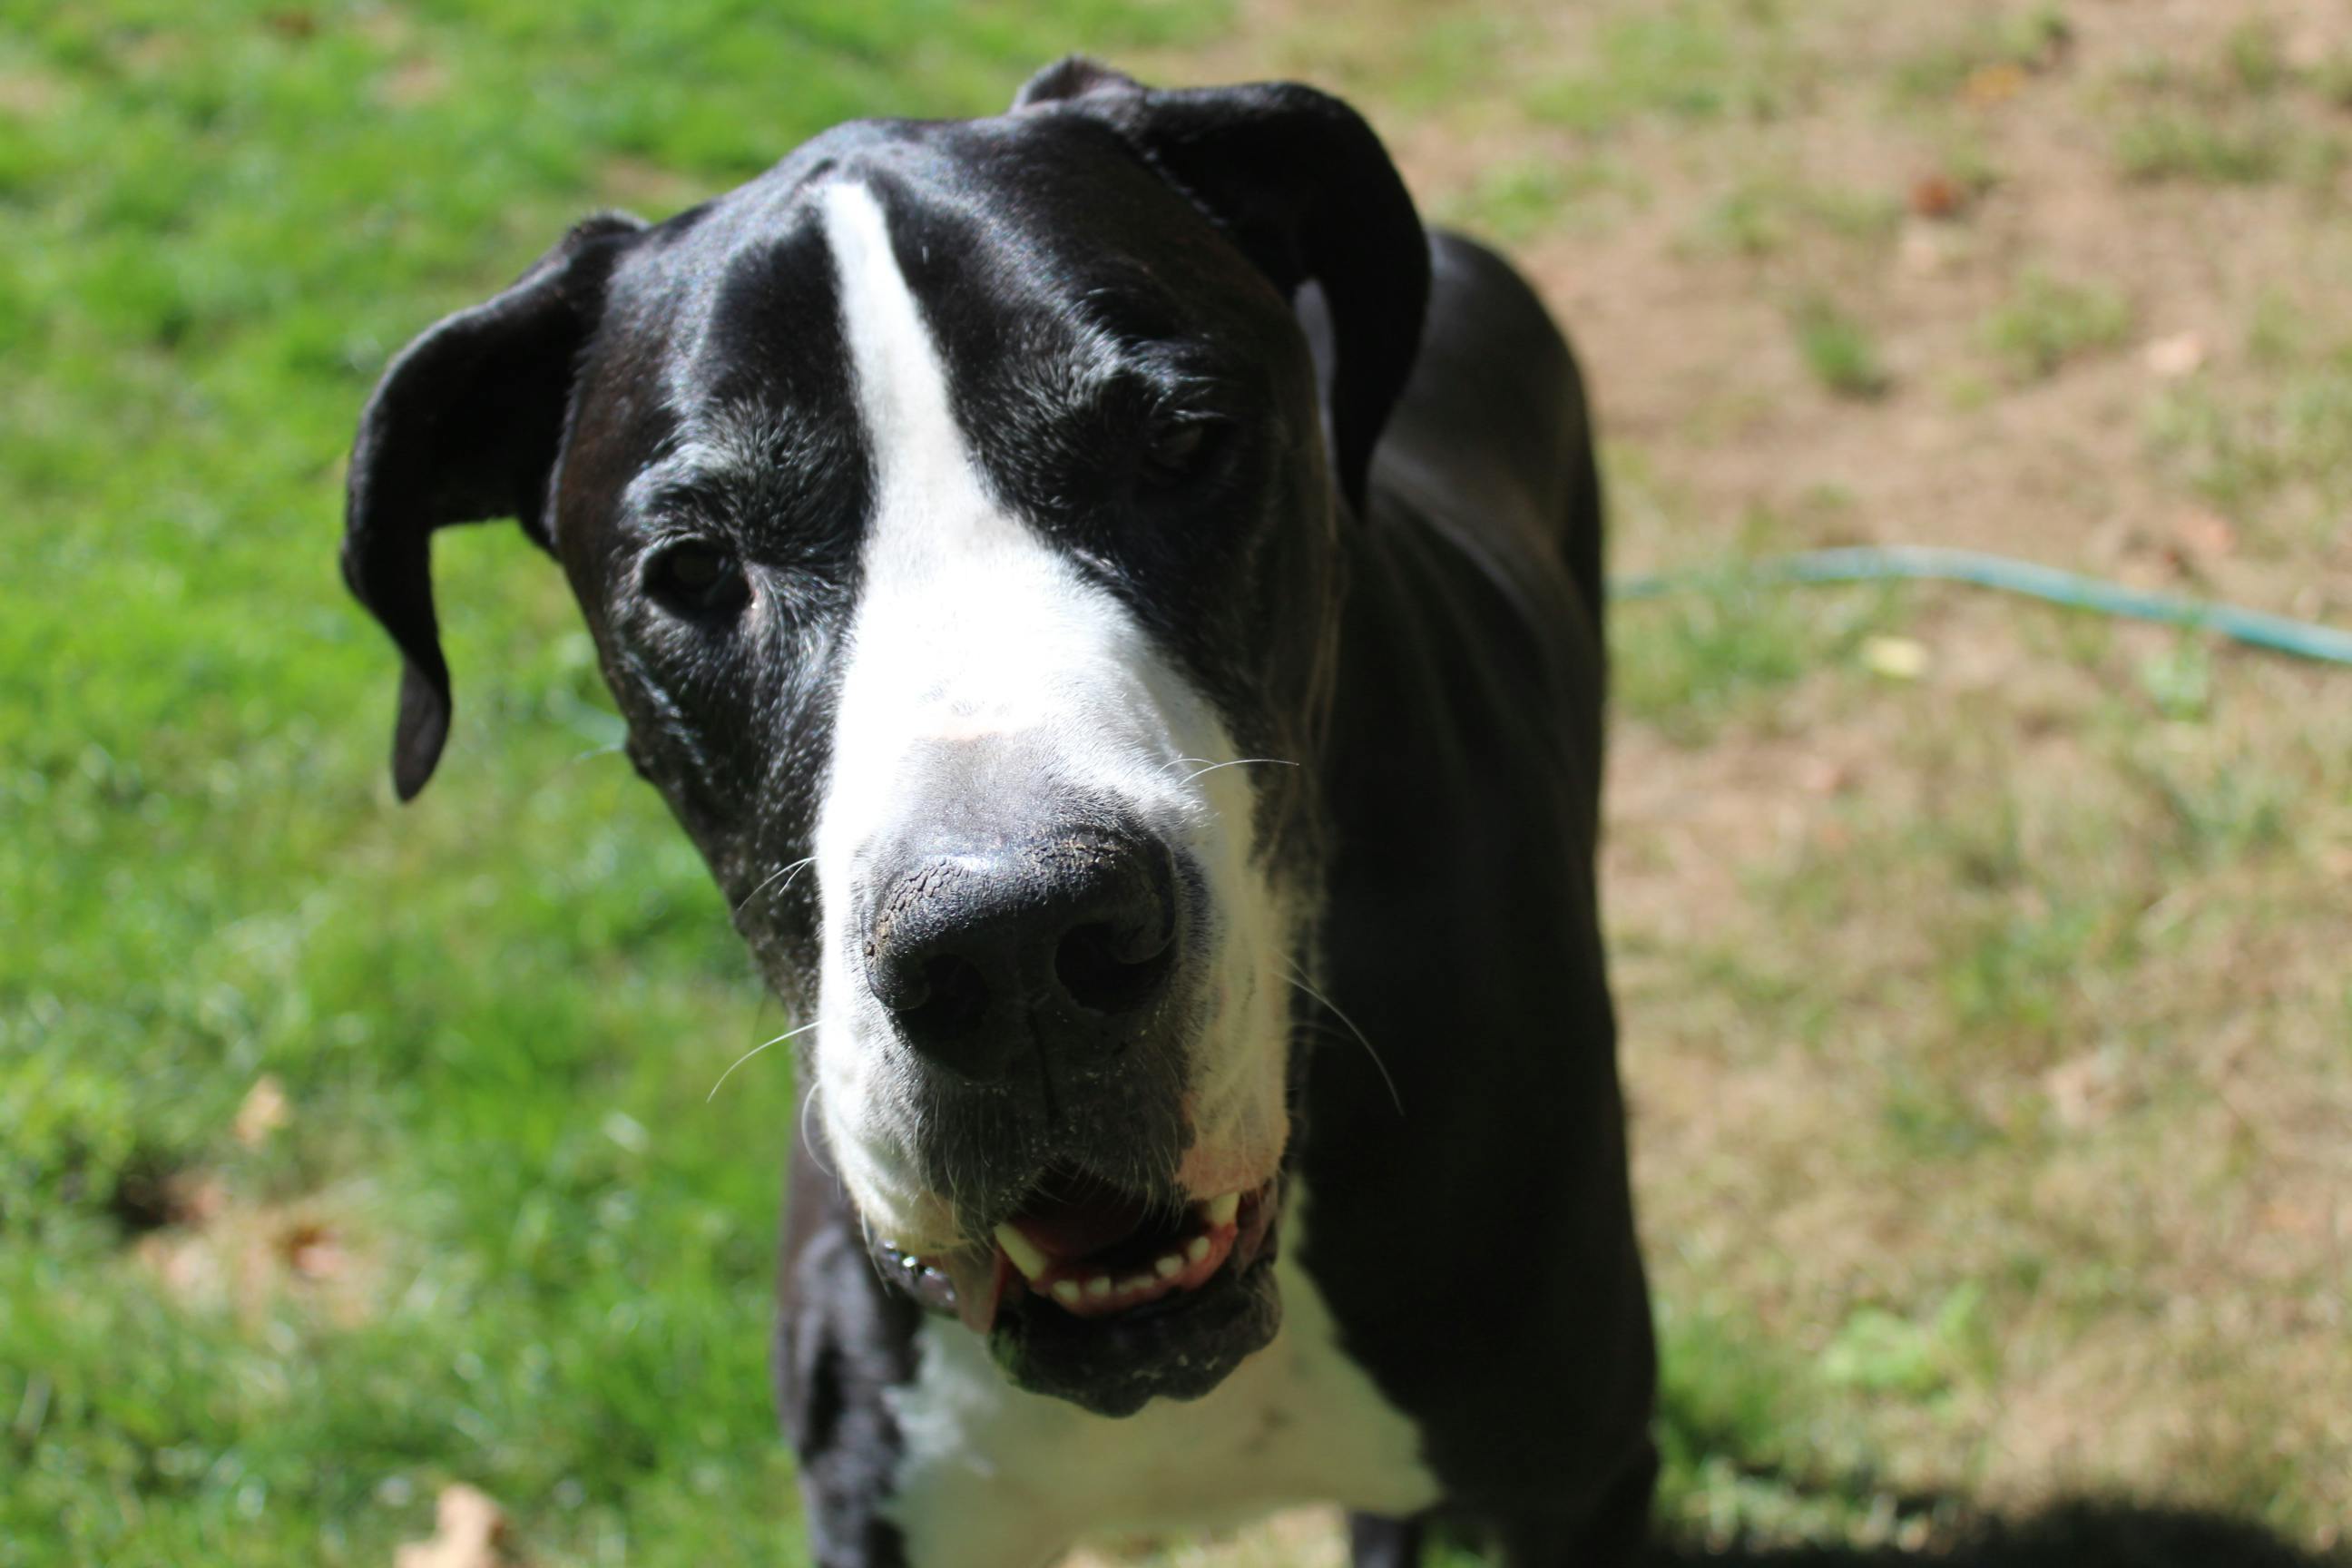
column 1866, row 564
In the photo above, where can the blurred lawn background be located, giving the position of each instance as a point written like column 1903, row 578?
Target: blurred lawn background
column 1985, row 970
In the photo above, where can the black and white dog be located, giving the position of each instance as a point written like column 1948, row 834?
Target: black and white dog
column 1117, row 601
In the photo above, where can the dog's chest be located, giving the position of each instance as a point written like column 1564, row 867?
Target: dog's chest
column 992, row 1476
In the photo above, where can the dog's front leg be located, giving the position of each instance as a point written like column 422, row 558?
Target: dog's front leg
column 1611, row 1533
column 1375, row 1540
column 843, row 1342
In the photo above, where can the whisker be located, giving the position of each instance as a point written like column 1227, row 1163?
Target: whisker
column 1238, row 763
column 1300, row 981
column 754, row 1052
column 865, row 1235
column 779, row 871
column 808, row 1102
column 590, row 755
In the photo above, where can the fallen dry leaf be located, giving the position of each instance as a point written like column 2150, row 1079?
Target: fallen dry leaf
column 413, row 83
column 2083, row 1093
column 1924, row 250
column 2170, row 359
column 1937, row 196
column 311, row 1250
column 1993, row 84
column 2204, row 536
column 1897, row 658
column 265, row 1110
column 467, row 1529
column 1822, row 775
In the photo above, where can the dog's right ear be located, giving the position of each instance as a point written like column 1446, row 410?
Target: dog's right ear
column 1072, row 76
column 1302, row 185
column 464, row 426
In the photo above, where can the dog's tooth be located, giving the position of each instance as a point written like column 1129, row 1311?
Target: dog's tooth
column 1197, row 1249
column 1098, row 1287
column 1067, row 1292
column 1222, row 1210
column 1023, row 1252
column 1171, row 1266
column 1129, row 1287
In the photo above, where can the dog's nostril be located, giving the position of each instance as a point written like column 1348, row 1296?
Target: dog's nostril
column 947, row 1002
column 1107, row 971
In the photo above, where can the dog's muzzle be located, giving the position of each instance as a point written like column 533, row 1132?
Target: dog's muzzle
column 1043, row 970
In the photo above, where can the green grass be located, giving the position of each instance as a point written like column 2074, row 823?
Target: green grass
column 2332, row 79
column 1839, row 353
column 2243, row 116
column 2275, row 451
column 1518, row 200
column 1766, row 214
column 495, row 1014
column 2181, row 143
column 1688, row 61
column 1690, row 662
column 2255, row 56
column 2047, row 321
column 2027, row 38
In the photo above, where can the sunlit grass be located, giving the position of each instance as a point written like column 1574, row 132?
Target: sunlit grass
column 499, row 1237
column 1989, row 1025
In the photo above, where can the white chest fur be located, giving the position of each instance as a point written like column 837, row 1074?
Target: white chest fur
column 994, row 1477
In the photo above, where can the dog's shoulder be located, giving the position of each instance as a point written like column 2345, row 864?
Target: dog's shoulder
column 1491, row 443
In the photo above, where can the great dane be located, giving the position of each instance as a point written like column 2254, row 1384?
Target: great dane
column 1117, row 601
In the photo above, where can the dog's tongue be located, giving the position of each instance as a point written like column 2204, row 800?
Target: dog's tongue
column 1077, row 1216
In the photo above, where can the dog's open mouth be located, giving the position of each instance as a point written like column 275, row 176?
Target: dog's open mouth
column 1106, row 1297
column 1095, row 1250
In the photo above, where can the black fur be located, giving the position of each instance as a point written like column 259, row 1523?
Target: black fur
column 464, row 426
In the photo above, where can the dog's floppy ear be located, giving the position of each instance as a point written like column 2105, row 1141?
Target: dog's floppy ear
column 1302, row 185
column 464, row 426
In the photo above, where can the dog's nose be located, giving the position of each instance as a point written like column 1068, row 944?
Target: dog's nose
column 1062, row 943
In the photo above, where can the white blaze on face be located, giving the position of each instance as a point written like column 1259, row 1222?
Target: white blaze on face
column 969, row 625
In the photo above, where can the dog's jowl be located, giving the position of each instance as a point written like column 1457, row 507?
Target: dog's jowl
column 1117, row 603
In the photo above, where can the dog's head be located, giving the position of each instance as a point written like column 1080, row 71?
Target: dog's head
column 951, row 508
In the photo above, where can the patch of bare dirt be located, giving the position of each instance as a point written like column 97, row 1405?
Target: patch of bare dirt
column 1989, row 969
column 215, row 1249
column 241, row 1257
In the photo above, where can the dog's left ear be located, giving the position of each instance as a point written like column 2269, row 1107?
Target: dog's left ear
column 464, row 426
column 1302, row 185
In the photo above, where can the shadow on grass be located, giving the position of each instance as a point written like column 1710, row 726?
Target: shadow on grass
column 2070, row 1535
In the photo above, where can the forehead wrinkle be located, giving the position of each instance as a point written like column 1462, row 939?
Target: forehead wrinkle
column 761, row 437
column 714, row 448
column 736, row 442
column 755, row 274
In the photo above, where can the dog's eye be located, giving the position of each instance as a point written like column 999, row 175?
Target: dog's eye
column 696, row 578
column 1179, row 448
